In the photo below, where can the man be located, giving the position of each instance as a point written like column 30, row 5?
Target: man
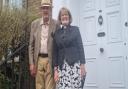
column 40, row 47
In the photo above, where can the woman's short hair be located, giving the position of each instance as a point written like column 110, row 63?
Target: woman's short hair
column 69, row 13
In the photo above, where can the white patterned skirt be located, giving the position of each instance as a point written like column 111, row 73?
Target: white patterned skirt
column 70, row 77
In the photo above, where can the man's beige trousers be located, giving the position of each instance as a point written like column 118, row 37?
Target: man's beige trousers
column 44, row 78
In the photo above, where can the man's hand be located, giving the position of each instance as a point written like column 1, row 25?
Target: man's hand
column 56, row 75
column 32, row 70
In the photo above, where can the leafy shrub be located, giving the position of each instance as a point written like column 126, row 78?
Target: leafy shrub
column 13, row 23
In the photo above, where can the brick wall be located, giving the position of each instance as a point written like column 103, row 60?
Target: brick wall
column 33, row 6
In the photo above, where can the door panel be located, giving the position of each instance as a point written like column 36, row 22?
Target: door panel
column 92, row 78
column 114, row 29
column 116, row 72
column 89, row 26
column 111, row 3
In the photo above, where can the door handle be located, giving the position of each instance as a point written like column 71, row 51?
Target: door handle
column 126, row 24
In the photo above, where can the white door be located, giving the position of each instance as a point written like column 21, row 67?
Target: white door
column 103, row 32
column 89, row 28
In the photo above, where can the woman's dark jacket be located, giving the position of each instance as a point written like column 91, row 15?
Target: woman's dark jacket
column 67, row 45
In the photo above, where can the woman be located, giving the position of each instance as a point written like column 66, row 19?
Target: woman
column 68, row 54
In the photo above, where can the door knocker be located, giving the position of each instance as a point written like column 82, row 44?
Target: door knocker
column 100, row 20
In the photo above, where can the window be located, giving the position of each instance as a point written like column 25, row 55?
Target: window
column 16, row 3
column 13, row 3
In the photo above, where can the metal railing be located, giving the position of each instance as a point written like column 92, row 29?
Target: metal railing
column 16, row 73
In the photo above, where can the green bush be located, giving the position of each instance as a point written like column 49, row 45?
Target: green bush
column 13, row 22
column 5, row 83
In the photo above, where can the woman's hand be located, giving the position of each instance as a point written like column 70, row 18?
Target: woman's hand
column 56, row 75
column 83, row 70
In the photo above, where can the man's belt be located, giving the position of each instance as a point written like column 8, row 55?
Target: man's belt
column 43, row 55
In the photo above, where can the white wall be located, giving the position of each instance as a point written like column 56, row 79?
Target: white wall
column 57, row 4
column 56, row 7
column 72, row 5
